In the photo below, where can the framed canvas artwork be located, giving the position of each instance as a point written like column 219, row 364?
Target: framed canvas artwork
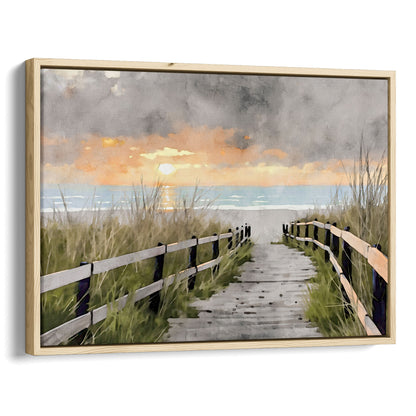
column 183, row 206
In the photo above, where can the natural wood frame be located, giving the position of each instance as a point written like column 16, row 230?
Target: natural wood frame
column 33, row 69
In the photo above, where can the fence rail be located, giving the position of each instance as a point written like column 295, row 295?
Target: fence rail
column 375, row 258
column 83, row 273
column 56, row 280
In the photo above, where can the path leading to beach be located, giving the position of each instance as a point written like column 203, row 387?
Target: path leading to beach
column 266, row 303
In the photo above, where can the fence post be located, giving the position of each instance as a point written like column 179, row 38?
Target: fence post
column 291, row 229
column 192, row 263
column 297, row 229
column 315, row 235
column 346, row 259
column 237, row 236
column 306, row 234
column 284, row 231
column 83, row 300
column 327, row 242
column 379, row 299
column 249, row 231
column 83, row 295
column 347, row 270
column 335, row 242
column 154, row 300
column 241, row 234
column 215, row 252
column 230, row 240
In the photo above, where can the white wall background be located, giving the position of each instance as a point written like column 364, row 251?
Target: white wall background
column 321, row 381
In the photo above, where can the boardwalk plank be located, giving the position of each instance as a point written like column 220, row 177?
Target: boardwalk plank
column 266, row 303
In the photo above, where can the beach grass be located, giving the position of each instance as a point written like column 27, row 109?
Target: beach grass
column 365, row 211
column 69, row 238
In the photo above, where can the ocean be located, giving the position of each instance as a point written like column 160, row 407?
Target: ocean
column 87, row 197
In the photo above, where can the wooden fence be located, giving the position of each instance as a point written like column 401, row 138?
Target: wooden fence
column 85, row 271
column 375, row 258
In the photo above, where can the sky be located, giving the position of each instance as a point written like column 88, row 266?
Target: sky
column 121, row 127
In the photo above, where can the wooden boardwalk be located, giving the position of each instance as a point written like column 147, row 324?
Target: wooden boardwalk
column 266, row 303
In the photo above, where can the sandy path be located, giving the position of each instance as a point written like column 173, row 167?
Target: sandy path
column 266, row 224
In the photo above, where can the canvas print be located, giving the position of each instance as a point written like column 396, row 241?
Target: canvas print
column 183, row 207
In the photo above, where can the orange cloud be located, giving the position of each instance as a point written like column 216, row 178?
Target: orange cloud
column 280, row 154
column 201, row 154
column 110, row 142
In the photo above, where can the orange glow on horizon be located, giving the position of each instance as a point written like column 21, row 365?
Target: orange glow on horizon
column 191, row 155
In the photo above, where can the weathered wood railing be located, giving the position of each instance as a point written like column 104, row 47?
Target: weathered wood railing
column 85, row 271
column 375, row 258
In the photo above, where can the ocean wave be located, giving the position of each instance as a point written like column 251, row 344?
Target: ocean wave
column 65, row 197
column 267, row 207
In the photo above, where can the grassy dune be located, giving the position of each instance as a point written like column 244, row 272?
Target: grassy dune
column 366, row 213
column 69, row 238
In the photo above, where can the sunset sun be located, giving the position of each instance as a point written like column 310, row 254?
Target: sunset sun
column 166, row 168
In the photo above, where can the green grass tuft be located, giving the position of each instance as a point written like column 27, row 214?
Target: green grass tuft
column 67, row 239
column 366, row 213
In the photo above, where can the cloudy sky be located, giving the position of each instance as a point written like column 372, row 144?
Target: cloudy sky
column 110, row 127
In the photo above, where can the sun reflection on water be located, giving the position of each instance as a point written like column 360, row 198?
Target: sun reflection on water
column 168, row 198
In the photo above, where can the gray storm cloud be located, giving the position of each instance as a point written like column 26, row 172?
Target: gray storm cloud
column 310, row 119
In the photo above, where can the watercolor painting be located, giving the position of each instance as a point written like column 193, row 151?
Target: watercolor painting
column 182, row 207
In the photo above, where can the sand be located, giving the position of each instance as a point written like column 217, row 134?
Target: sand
column 266, row 224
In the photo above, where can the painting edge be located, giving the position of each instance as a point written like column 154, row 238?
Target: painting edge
column 33, row 68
